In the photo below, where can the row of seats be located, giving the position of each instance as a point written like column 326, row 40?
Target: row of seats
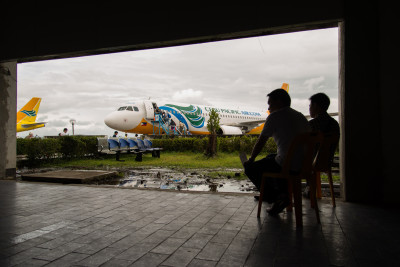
column 121, row 145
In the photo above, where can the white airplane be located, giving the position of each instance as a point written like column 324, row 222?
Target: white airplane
column 140, row 117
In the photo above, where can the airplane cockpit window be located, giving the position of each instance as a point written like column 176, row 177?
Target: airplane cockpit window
column 135, row 108
column 121, row 108
column 129, row 108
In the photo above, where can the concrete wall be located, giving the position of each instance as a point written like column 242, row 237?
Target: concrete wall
column 361, row 89
column 8, row 118
column 389, row 58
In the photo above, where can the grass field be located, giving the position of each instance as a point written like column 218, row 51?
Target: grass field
column 186, row 160
column 219, row 166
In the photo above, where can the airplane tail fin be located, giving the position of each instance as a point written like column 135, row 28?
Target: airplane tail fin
column 29, row 112
column 285, row 86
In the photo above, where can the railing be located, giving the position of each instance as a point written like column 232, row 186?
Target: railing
column 165, row 126
column 161, row 124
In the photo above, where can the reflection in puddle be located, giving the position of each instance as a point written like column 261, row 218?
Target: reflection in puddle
column 191, row 181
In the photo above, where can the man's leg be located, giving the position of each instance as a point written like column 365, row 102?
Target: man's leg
column 272, row 187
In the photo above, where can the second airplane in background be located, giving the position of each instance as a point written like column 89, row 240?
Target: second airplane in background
column 139, row 117
column 26, row 116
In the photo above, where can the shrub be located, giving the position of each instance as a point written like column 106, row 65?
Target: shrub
column 72, row 147
column 37, row 148
column 22, row 146
column 67, row 146
column 224, row 144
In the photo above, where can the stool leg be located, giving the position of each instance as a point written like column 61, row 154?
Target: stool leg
column 318, row 185
column 260, row 200
column 290, row 191
column 313, row 196
column 313, row 192
column 298, row 205
column 331, row 187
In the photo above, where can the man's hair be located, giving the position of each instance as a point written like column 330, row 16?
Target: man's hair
column 65, row 129
column 280, row 95
column 321, row 100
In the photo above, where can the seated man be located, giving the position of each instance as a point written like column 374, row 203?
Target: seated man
column 283, row 124
column 319, row 104
column 321, row 121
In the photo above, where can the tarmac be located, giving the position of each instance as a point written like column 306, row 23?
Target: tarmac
column 48, row 224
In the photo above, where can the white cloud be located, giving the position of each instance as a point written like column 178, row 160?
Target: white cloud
column 314, row 84
column 189, row 96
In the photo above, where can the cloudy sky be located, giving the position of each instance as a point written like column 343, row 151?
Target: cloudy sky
column 237, row 73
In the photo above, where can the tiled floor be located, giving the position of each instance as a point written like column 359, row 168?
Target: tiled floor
column 64, row 225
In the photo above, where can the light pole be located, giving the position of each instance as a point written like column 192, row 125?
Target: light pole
column 72, row 121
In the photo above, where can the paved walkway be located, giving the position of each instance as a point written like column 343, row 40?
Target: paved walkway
column 66, row 225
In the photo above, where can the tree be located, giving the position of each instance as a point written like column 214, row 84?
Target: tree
column 213, row 127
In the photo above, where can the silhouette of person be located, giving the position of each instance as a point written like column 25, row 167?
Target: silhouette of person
column 321, row 120
column 64, row 132
column 29, row 136
column 283, row 124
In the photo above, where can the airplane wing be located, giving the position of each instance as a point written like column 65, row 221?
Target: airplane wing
column 241, row 127
column 248, row 124
column 29, row 125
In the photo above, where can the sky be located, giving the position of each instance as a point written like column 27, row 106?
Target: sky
column 237, row 73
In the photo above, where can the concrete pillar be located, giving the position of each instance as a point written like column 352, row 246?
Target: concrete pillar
column 360, row 108
column 342, row 147
column 8, row 118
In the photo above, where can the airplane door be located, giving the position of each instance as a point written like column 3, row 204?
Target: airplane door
column 148, row 105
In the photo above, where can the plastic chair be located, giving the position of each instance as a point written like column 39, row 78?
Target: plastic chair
column 133, row 144
column 308, row 142
column 323, row 163
column 142, row 145
column 113, row 144
column 123, row 144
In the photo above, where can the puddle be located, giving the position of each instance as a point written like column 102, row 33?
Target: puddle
column 191, row 180
column 216, row 180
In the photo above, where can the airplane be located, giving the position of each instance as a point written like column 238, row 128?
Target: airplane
column 26, row 116
column 139, row 117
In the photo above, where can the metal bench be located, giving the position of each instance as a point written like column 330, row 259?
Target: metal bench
column 115, row 146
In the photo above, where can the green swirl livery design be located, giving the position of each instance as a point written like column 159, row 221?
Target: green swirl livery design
column 30, row 113
column 190, row 114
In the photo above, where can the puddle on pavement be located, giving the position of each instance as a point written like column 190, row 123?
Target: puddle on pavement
column 190, row 180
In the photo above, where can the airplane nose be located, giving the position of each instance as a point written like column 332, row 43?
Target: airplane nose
column 118, row 120
column 111, row 121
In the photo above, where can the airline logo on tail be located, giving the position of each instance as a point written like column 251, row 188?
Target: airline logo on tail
column 30, row 113
column 26, row 116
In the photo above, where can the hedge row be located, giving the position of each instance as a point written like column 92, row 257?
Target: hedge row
column 79, row 146
column 224, row 144
column 65, row 146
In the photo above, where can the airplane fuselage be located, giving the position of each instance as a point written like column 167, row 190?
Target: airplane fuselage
column 139, row 117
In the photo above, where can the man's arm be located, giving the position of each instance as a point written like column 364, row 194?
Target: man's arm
column 261, row 141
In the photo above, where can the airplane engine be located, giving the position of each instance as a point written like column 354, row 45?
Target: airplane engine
column 230, row 130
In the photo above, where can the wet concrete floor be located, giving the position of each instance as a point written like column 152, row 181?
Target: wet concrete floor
column 43, row 224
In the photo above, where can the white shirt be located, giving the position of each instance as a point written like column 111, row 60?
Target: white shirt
column 283, row 125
